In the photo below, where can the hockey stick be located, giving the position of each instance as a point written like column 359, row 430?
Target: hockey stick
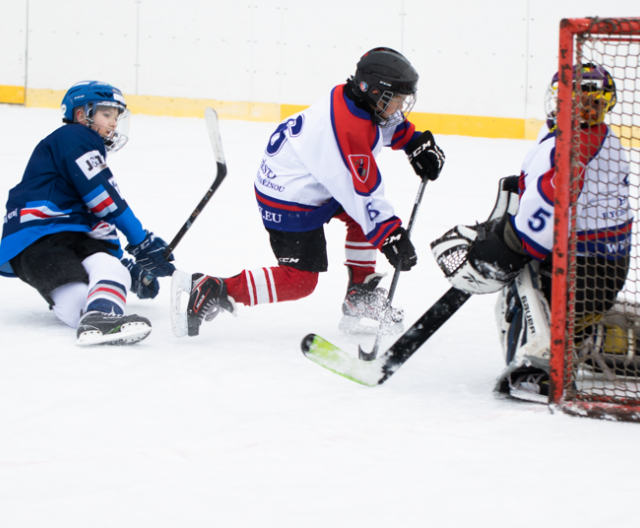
column 370, row 356
column 211, row 119
column 377, row 371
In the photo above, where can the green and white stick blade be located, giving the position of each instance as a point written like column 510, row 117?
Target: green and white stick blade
column 329, row 356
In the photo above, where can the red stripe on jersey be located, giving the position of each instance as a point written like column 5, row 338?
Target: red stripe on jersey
column 547, row 187
column 104, row 203
column 534, row 253
column 606, row 233
column 35, row 212
column 277, row 205
column 356, row 138
column 383, row 231
column 403, row 136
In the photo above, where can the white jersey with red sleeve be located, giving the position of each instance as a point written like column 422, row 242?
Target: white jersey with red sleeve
column 324, row 158
column 603, row 216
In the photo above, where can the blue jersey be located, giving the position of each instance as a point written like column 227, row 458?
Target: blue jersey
column 67, row 186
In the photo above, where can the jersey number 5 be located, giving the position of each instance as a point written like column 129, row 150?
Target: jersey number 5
column 538, row 220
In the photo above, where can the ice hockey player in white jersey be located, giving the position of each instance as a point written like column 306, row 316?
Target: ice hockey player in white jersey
column 321, row 164
column 511, row 252
column 59, row 232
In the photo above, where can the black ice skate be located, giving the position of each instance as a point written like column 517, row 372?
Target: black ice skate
column 208, row 297
column 367, row 303
column 98, row 328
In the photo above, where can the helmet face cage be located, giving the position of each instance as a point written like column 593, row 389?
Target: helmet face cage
column 115, row 139
column 399, row 115
column 91, row 95
column 597, row 89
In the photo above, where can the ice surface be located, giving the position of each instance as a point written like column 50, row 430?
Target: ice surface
column 237, row 428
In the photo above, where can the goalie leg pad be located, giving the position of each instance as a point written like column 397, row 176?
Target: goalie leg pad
column 523, row 318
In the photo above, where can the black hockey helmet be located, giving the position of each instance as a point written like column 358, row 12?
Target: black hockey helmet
column 381, row 74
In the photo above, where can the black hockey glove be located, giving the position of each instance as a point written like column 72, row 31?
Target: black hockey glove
column 143, row 283
column 497, row 251
column 426, row 158
column 399, row 250
column 148, row 254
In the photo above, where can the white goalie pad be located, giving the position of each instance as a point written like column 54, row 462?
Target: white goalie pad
column 523, row 317
column 180, row 284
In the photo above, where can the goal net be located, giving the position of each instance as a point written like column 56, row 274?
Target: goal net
column 595, row 350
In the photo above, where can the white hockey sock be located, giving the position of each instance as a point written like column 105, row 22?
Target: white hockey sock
column 69, row 301
column 109, row 282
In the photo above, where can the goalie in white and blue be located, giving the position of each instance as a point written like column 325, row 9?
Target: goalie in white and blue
column 511, row 252
column 59, row 232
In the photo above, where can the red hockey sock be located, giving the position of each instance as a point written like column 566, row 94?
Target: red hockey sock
column 361, row 255
column 271, row 285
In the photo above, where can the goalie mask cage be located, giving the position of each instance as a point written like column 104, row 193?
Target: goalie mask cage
column 595, row 347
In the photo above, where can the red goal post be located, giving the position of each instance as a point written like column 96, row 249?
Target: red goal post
column 590, row 383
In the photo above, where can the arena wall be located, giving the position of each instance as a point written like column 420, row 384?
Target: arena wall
column 484, row 66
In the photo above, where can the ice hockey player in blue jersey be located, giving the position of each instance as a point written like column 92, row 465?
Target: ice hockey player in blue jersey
column 512, row 252
column 321, row 164
column 59, row 232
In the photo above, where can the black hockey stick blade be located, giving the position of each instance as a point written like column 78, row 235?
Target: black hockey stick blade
column 376, row 372
column 211, row 120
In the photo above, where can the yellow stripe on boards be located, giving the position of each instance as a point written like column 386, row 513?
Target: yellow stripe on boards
column 459, row 125
column 12, row 94
column 629, row 135
column 449, row 124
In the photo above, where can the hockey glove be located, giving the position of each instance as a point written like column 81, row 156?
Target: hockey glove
column 148, row 254
column 399, row 250
column 482, row 258
column 143, row 284
column 426, row 158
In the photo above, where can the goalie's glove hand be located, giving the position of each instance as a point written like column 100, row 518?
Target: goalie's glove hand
column 143, row 283
column 399, row 250
column 426, row 158
column 482, row 258
column 148, row 254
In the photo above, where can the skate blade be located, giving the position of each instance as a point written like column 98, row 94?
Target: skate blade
column 180, row 283
column 363, row 326
column 129, row 334
column 519, row 394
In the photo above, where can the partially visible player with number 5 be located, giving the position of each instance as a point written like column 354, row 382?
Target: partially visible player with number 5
column 59, row 232
column 321, row 164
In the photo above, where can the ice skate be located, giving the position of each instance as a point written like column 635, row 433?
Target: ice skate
column 366, row 306
column 208, row 297
column 527, row 383
column 98, row 328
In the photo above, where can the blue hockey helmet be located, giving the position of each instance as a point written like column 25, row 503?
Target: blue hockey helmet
column 89, row 95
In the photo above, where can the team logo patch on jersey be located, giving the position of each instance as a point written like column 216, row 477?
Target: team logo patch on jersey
column 91, row 163
column 360, row 166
